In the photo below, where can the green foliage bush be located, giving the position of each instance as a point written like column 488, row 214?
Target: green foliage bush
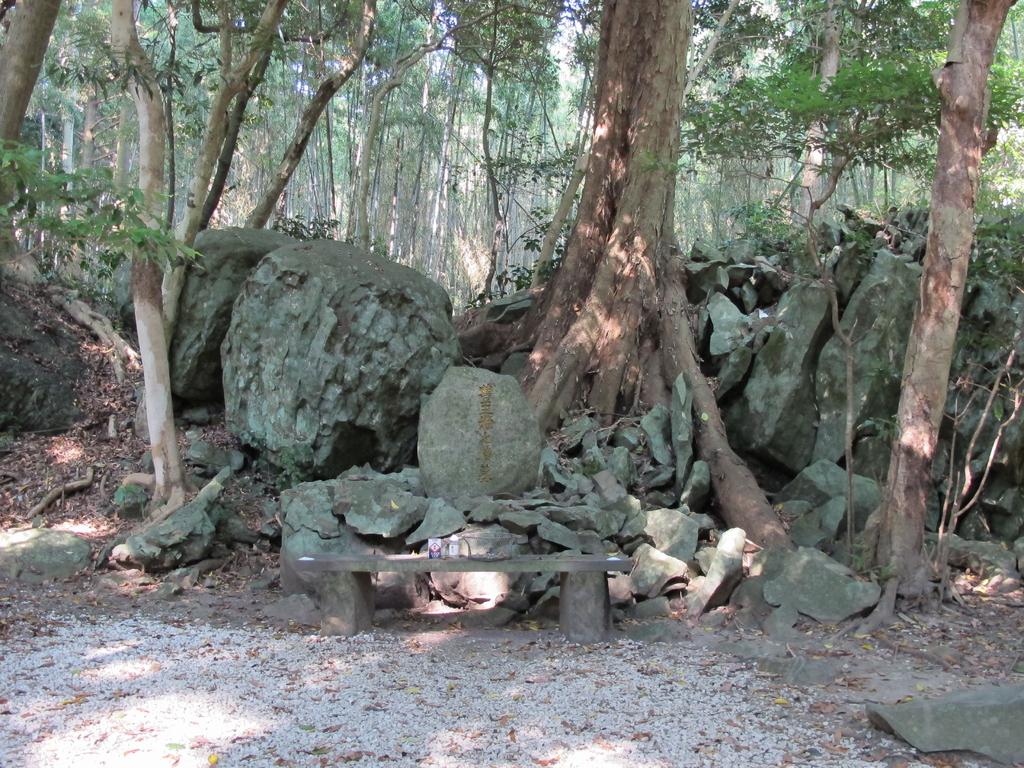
column 83, row 214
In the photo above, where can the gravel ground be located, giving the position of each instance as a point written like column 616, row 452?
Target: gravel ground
column 107, row 691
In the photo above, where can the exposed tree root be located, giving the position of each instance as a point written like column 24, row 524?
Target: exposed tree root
column 101, row 327
column 209, row 492
column 63, row 490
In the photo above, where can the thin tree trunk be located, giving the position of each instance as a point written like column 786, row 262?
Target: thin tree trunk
column 498, row 217
column 227, row 150
column 347, row 65
column 145, row 91
column 814, row 156
column 233, row 81
column 401, row 68
column 433, row 252
column 87, row 158
column 542, row 267
column 963, row 90
column 21, row 59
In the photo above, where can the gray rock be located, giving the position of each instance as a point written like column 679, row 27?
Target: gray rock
column 130, row 501
column 478, row 436
column 824, row 481
column 377, row 508
column 39, row 365
column 608, row 488
column 227, row 258
column 672, row 532
column 697, row 489
column 441, row 519
column 681, row 417
column 775, row 416
column 779, row 624
column 730, row 326
column 985, row 720
column 328, row 355
column 878, row 317
column 38, row 555
column 654, row 569
column 296, row 608
column 480, row 509
column 563, row 480
column 1018, row 550
column 521, row 520
column 819, row 587
column 183, row 538
column 656, row 425
column 733, row 370
column 656, row 476
column 724, row 574
column 604, row 522
column 509, row 308
column 592, row 461
column 558, row 534
column 210, row 457
column 629, row 437
column 651, row 609
column 620, row 464
column 820, row 525
column 575, row 431
column 704, row 557
column 985, row 558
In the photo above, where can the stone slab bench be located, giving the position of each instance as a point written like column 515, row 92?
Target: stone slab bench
column 347, row 600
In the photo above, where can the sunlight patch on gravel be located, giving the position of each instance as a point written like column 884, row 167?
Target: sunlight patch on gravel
column 109, row 692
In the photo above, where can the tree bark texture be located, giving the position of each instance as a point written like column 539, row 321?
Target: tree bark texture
column 620, row 281
column 814, row 157
column 146, row 276
column 227, row 150
column 347, row 66
column 962, row 86
column 21, row 58
column 604, row 297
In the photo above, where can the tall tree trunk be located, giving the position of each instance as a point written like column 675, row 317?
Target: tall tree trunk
column 401, row 68
column 21, row 58
column 620, row 280
column 91, row 119
column 233, row 81
column 434, row 251
column 227, row 150
column 962, row 85
column 814, row 156
column 347, row 66
column 498, row 216
column 145, row 92
column 121, row 149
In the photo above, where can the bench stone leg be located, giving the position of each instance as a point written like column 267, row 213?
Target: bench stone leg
column 291, row 584
column 346, row 603
column 584, row 607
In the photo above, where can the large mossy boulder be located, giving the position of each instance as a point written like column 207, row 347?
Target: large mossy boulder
column 227, row 258
column 878, row 321
column 478, row 436
column 328, row 355
column 38, row 555
column 39, row 365
column 774, row 419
